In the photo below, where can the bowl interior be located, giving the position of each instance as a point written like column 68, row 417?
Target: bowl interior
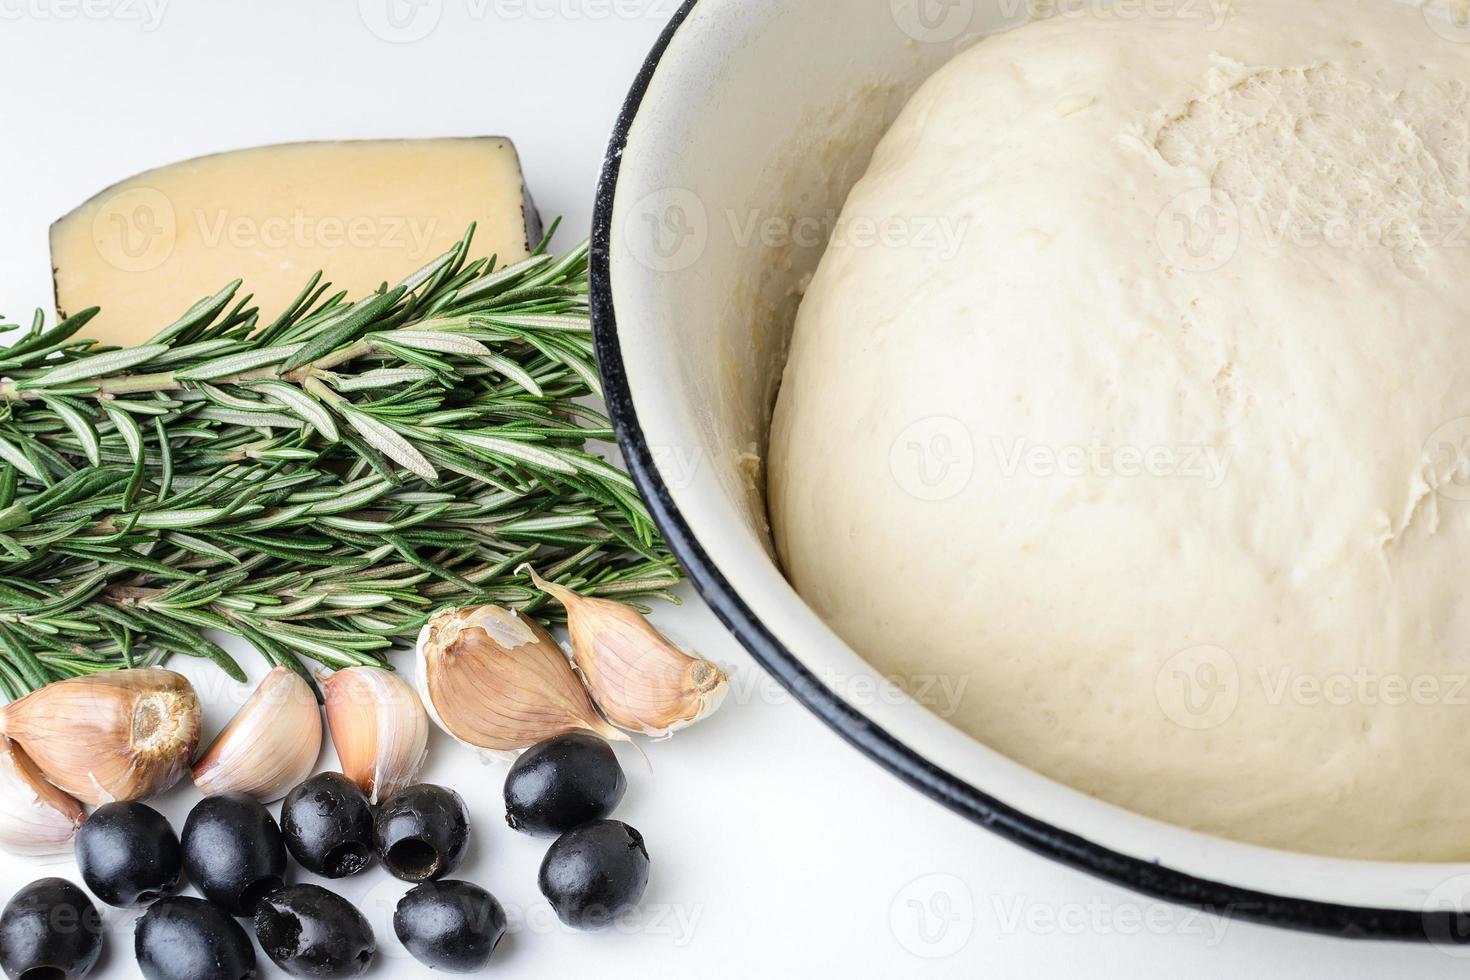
column 756, row 121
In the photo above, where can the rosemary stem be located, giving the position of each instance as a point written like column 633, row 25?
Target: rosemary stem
column 139, row 384
column 316, row 513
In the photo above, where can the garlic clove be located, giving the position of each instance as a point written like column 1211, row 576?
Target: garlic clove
column 639, row 680
column 270, row 745
column 118, row 735
column 36, row 818
column 497, row 681
column 379, row 728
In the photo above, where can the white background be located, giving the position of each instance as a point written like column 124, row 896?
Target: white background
column 777, row 850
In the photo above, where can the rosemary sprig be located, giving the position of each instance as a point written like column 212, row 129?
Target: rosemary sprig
column 318, row 485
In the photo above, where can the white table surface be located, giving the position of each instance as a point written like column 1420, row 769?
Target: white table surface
column 777, row 850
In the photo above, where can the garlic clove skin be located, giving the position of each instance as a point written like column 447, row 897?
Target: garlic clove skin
column 640, row 681
column 498, row 682
column 36, row 819
column 270, row 745
column 379, row 728
column 109, row 737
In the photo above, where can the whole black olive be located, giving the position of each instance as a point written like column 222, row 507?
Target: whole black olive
column 311, row 932
column 563, row 783
column 328, row 826
column 233, row 852
column 190, row 939
column 129, row 855
column 422, row 832
column 452, row 926
column 594, row 873
column 50, row 930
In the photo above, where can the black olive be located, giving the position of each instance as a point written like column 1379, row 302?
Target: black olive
column 422, row 832
column 452, row 926
column 50, row 930
column 328, row 826
column 129, row 855
column 234, row 852
column 594, row 873
column 311, row 932
column 563, row 783
column 190, row 939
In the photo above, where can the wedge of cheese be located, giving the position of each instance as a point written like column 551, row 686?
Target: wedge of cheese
column 364, row 213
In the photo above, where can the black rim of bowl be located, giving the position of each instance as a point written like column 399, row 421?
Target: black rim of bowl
column 1146, row 877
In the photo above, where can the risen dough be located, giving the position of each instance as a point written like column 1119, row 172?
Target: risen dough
column 1169, row 486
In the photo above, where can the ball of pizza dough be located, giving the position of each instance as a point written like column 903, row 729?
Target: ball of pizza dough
column 1142, row 417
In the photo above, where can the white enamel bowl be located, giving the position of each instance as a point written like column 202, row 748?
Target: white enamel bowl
column 742, row 135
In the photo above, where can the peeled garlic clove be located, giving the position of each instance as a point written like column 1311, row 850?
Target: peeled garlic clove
column 36, row 818
column 639, row 680
column 119, row 735
column 270, row 745
column 379, row 728
column 497, row 681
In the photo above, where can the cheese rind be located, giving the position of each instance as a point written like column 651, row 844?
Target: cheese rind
column 362, row 212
